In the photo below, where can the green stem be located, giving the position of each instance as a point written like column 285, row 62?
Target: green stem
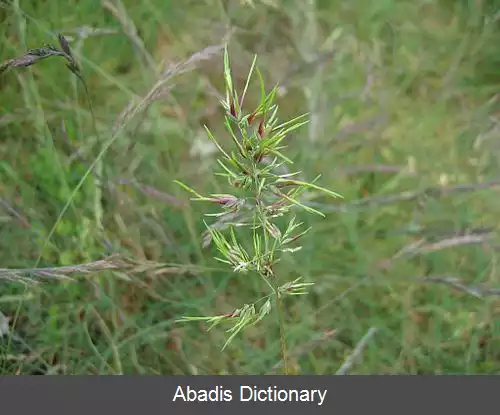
column 281, row 321
column 272, row 281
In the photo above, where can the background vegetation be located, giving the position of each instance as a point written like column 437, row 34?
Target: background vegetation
column 404, row 124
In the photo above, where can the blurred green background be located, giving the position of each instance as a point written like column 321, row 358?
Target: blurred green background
column 404, row 122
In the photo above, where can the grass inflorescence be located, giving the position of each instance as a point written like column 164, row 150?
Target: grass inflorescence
column 264, row 196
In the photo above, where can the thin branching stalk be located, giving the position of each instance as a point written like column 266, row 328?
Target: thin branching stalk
column 263, row 193
column 358, row 350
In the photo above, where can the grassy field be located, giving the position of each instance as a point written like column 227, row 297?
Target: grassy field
column 403, row 122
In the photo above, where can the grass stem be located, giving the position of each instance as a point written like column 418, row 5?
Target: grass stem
column 281, row 322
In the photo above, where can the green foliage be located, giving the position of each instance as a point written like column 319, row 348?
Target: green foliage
column 257, row 137
column 402, row 110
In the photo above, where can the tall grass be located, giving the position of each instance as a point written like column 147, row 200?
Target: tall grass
column 402, row 107
column 265, row 196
